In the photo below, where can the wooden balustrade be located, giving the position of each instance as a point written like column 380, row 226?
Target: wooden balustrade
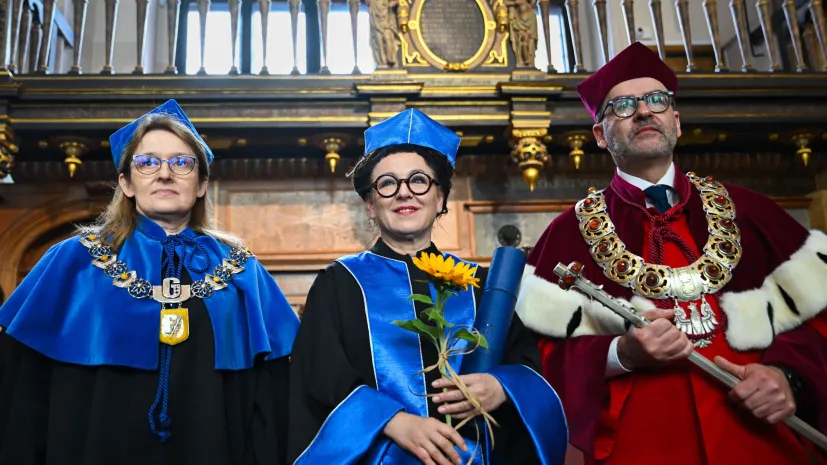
column 32, row 26
column 809, row 46
column 34, row 29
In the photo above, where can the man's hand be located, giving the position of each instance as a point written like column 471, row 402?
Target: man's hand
column 488, row 390
column 657, row 344
column 429, row 439
column 763, row 390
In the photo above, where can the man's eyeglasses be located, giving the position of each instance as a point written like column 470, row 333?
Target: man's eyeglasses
column 388, row 185
column 624, row 107
column 181, row 165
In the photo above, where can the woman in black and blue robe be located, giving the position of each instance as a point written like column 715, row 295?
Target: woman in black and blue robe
column 152, row 338
column 356, row 394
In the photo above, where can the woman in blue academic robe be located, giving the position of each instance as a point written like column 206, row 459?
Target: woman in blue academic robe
column 356, row 392
column 153, row 337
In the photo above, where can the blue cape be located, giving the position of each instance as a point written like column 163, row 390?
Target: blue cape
column 352, row 433
column 69, row 310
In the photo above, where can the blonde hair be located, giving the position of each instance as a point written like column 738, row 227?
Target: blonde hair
column 120, row 218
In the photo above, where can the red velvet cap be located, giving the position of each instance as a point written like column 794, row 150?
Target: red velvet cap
column 636, row 61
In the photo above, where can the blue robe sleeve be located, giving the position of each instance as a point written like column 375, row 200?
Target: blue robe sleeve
column 263, row 297
column 40, row 301
column 539, row 408
column 352, row 433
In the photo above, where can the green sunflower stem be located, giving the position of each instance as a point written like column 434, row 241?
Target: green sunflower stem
column 443, row 371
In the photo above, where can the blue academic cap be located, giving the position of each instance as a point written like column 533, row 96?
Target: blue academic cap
column 413, row 127
column 122, row 136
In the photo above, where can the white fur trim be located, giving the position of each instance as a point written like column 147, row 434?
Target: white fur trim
column 545, row 308
column 803, row 277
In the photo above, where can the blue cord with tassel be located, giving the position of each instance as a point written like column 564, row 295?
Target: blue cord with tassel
column 159, row 421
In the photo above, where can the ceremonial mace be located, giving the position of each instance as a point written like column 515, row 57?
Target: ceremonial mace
column 571, row 278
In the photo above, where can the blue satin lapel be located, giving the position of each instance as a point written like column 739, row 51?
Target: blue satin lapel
column 462, row 311
column 539, row 407
column 396, row 353
column 70, row 311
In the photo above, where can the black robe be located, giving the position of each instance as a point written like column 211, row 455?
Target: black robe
column 54, row 413
column 332, row 356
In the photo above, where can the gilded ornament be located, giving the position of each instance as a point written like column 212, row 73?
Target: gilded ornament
column 531, row 156
column 6, row 162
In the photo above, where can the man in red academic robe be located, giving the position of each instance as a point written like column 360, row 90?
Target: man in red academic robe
column 715, row 267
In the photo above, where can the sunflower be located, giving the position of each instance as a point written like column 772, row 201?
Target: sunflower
column 457, row 275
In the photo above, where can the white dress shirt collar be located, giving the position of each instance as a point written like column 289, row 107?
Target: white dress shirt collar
column 668, row 179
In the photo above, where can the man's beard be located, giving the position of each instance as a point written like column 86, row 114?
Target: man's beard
column 628, row 148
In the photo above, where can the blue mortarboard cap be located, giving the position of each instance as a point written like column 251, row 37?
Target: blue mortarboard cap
column 413, row 127
column 122, row 136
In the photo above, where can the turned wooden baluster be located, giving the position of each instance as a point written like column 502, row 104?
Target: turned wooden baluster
column 111, row 26
column 142, row 6
column 324, row 10
column 173, row 12
column 234, row 7
column 682, row 7
column 264, row 9
column 602, row 27
column 34, row 42
column 817, row 11
column 16, row 15
column 739, row 17
column 5, row 38
column 294, row 5
column 657, row 23
column 711, row 13
column 353, row 6
column 23, row 37
column 764, row 15
column 628, row 7
column 545, row 11
column 203, row 11
column 49, row 10
column 79, row 13
column 795, row 34
column 574, row 24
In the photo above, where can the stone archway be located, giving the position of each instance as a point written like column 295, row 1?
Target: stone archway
column 31, row 228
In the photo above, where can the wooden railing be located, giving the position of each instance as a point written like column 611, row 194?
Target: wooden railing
column 814, row 21
column 33, row 30
column 33, row 26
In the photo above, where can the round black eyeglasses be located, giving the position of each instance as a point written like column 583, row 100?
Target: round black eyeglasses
column 388, row 185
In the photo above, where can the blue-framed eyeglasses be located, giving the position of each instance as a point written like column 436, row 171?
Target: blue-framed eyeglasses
column 181, row 165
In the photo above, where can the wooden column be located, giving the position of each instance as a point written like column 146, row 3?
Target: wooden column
column 79, row 13
column 574, row 24
column 173, row 11
column 142, row 6
column 682, row 7
column 46, row 44
column 111, row 27
column 765, row 16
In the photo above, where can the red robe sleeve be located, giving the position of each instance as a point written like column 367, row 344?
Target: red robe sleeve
column 574, row 364
column 795, row 291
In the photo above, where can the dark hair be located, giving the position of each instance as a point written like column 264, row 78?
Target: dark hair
column 362, row 172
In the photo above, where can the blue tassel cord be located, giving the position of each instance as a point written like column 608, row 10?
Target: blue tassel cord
column 159, row 420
